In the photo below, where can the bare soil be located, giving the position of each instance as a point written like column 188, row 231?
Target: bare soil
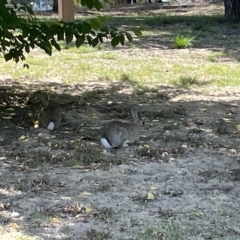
column 184, row 169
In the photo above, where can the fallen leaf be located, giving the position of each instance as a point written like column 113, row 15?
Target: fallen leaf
column 198, row 214
column 7, row 117
column 55, row 220
column 150, row 196
column 86, row 194
column 88, row 210
column 13, row 225
column 94, row 116
column 22, row 137
column 77, row 167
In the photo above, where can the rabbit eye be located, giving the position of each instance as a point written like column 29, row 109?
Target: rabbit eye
column 142, row 123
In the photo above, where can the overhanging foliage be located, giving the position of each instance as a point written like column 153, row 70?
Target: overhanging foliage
column 20, row 34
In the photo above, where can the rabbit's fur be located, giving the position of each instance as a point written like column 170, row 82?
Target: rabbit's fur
column 118, row 134
column 49, row 116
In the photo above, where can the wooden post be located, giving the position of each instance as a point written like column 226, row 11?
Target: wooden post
column 66, row 10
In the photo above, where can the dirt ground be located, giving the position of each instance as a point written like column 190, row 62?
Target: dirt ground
column 180, row 181
column 184, row 173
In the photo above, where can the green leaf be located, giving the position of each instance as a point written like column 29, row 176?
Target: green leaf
column 104, row 29
column 89, row 39
column 101, row 19
column 29, row 10
column 137, row 32
column 27, row 48
column 13, row 23
column 121, row 38
column 32, row 44
column 113, row 34
column 80, row 41
column 22, row 57
column 8, row 56
column 16, row 58
column 89, row 4
column 55, row 44
column 95, row 42
column 100, row 36
column 25, row 65
column 98, row 5
column 94, row 24
column 129, row 37
column 86, row 27
column 93, row 33
column 69, row 37
column 60, row 36
column 24, row 32
column 115, row 41
column 79, row 27
column 83, row 2
column 45, row 45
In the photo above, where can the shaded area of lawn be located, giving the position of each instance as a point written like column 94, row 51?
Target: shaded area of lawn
column 60, row 185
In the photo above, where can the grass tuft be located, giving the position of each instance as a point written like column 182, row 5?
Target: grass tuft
column 182, row 41
column 187, row 82
column 166, row 230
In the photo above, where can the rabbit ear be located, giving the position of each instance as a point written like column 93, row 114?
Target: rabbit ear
column 134, row 115
column 44, row 99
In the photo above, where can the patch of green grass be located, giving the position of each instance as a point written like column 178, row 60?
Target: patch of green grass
column 211, row 59
column 97, row 94
column 150, row 21
column 110, row 55
column 205, row 23
column 223, row 74
column 182, row 41
column 125, row 77
column 84, row 156
column 143, row 86
column 39, row 217
column 166, row 230
column 146, row 62
column 188, row 82
column 96, row 235
column 104, row 214
column 201, row 26
column 32, row 159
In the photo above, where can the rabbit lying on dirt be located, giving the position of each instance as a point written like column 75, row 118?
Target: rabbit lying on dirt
column 118, row 134
column 49, row 116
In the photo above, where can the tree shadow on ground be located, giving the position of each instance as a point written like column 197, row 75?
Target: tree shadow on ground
column 174, row 118
column 209, row 31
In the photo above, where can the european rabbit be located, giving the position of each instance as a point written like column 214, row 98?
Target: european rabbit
column 49, row 116
column 118, row 134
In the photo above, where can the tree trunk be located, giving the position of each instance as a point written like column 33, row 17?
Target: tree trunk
column 232, row 10
column 55, row 5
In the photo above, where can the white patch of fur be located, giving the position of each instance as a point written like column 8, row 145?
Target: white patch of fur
column 125, row 144
column 50, row 126
column 105, row 143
